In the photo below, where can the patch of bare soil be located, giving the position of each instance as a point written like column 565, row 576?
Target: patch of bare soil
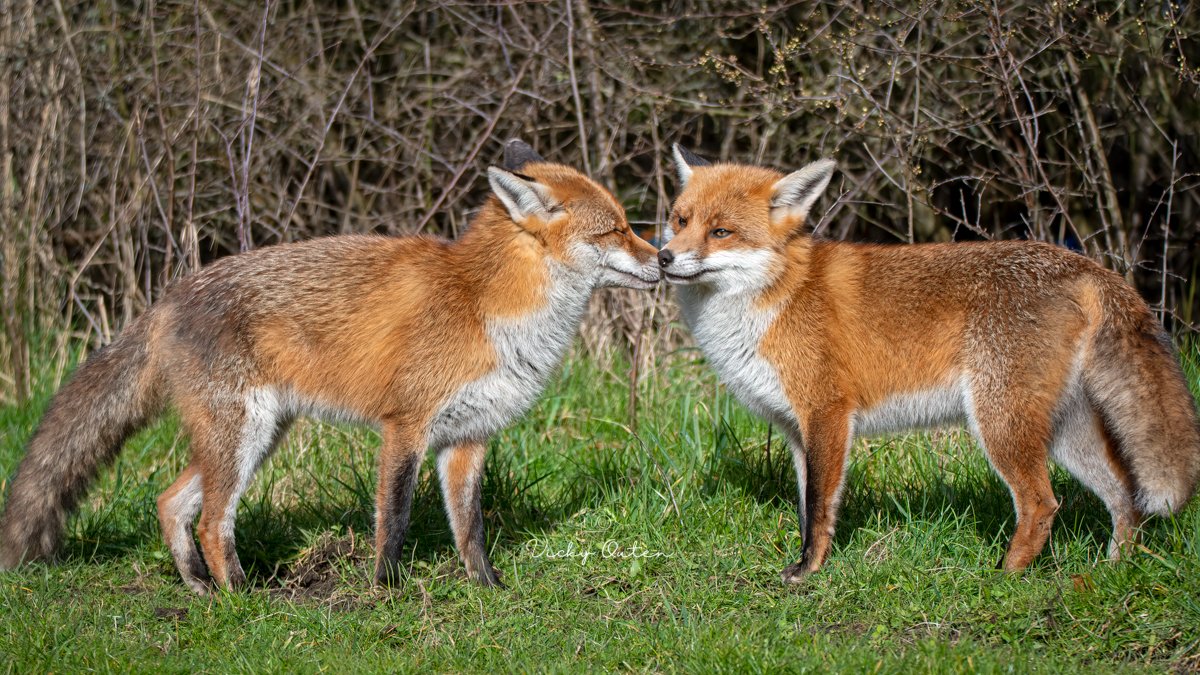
column 173, row 614
column 331, row 572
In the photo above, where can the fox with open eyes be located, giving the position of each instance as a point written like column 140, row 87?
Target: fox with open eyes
column 1037, row 350
column 440, row 343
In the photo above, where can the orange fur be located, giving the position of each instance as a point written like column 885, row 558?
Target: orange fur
column 438, row 342
column 1039, row 350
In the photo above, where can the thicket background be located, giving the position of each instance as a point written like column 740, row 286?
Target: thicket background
column 139, row 140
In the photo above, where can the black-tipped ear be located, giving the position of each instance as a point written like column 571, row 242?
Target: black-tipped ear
column 795, row 193
column 524, row 197
column 684, row 161
column 518, row 153
column 690, row 157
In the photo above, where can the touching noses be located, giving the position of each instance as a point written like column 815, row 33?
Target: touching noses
column 665, row 256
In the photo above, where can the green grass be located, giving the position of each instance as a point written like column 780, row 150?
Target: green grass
column 911, row 584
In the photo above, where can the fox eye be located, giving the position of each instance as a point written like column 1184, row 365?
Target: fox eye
column 720, row 233
column 682, row 222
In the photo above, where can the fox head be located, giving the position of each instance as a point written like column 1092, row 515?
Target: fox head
column 730, row 223
column 577, row 221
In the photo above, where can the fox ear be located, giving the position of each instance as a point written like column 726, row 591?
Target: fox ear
column 523, row 196
column 685, row 160
column 518, row 153
column 794, row 194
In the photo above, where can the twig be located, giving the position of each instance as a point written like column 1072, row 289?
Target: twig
column 334, row 113
column 483, row 139
column 583, row 139
column 246, row 133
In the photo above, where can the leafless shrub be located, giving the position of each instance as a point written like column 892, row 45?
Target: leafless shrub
column 140, row 140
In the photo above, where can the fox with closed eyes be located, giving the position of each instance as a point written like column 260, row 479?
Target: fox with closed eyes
column 438, row 343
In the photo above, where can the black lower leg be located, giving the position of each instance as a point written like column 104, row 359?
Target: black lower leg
column 397, row 483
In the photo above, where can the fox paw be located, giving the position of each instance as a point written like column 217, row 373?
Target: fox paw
column 488, row 579
column 795, row 573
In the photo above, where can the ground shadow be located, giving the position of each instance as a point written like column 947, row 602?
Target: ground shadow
column 980, row 496
column 270, row 537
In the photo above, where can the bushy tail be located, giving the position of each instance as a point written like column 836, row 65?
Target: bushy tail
column 109, row 397
column 1134, row 379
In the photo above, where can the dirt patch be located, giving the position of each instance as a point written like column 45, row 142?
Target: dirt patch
column 170, row 613
column 332, row 572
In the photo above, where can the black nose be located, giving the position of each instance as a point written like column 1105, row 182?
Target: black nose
column 665, row 257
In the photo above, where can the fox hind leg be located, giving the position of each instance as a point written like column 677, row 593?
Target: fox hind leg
column 1015, row 437
column 461, row 470
column 1084, row 448
column 178, row 507
column 230, row 454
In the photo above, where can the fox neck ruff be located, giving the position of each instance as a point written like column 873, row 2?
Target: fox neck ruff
column 529, row 345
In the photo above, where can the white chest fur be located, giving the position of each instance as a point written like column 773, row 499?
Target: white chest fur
column 528, row 349
column 728, row 329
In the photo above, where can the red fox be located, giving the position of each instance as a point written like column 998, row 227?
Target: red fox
column 1036, row 349
column 440, row 343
